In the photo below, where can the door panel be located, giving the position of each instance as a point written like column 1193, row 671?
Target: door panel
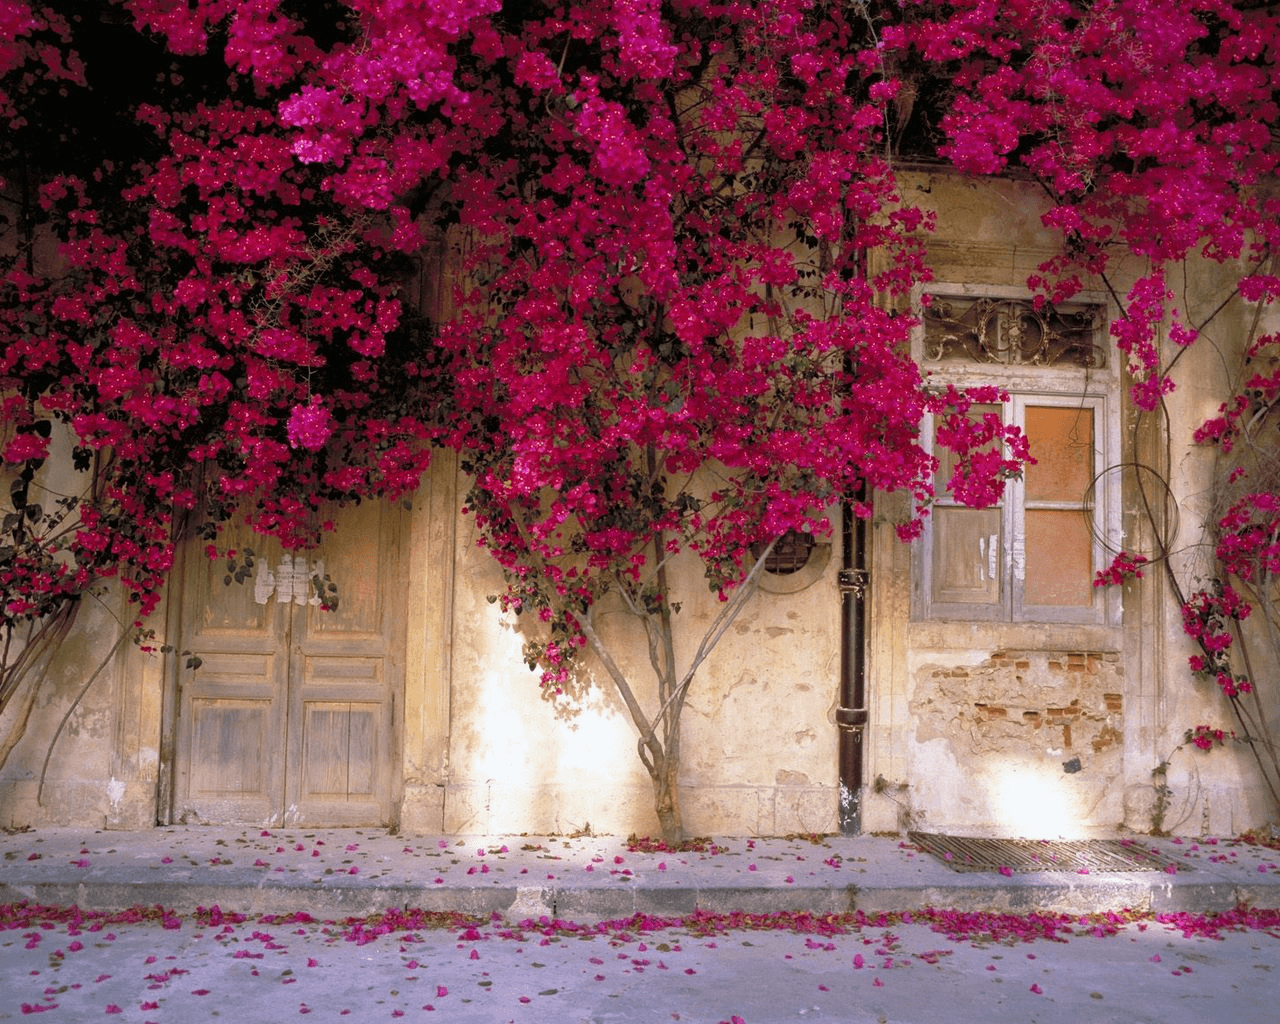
column 339, row 742
column 350, row 664
column 291, row 717
column 231, row 770
column 231, row 708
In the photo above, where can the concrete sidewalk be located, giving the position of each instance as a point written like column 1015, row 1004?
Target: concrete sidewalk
column 335, row 873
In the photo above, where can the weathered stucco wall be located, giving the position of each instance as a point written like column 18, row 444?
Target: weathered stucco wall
column 77, row 786
column 758, row 742
column 1216, row 792
column 102, row 768
column 480, row 751
column 1009, row 728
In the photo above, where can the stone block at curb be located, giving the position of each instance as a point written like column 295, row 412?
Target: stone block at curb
column 1018, row 899
column 1197, row 898
column 671, row 902
column 588, row 906
column 728, row 900
column 531, row 903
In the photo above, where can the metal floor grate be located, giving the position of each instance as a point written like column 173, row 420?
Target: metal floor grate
column 962, row 853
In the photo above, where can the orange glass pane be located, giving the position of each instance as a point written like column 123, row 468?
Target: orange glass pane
column 1059, row 559
column 1062, row 444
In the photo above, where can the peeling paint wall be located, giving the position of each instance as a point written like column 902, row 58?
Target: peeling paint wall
column 1059, row 704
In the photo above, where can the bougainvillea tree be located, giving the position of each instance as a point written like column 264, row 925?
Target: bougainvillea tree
column 683, row 352
column 207, row 320
column 666, row 340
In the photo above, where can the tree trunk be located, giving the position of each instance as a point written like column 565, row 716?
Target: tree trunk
column 666, row 797
column 659, row 741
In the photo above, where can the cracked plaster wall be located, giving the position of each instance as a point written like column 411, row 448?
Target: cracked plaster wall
column 991, row 735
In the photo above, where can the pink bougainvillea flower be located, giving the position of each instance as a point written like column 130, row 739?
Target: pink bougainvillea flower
column 310, row 425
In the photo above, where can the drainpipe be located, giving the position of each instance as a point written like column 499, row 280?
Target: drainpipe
column 851, row 714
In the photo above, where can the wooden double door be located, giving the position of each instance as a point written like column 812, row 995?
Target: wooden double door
column 292, row 715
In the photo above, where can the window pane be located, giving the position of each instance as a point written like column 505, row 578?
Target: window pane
column 947, row 459
column 1059, row 555
column 966, row 555
column 1062, row 445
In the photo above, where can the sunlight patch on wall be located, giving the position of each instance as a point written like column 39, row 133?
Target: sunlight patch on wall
column 1028, row 802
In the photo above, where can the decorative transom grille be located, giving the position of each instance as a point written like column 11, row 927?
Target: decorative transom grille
column 1014, row 332
column 962, row 853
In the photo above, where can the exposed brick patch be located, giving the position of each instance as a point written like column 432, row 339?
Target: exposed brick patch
column 1106, row 738
column 1038, row 702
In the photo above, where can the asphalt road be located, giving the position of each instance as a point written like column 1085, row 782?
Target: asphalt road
column 274, row 970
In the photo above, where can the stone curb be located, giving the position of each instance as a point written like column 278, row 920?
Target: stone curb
column 349, row 874
column 1114, row 893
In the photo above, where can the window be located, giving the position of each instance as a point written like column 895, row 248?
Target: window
column 1031, row 558
column 790, row 553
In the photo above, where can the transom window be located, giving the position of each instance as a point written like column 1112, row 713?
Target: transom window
column 1012, row 332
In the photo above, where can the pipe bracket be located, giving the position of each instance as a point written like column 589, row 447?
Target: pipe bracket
column 854, row 581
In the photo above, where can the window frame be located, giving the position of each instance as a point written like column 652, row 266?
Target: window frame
column 1060, row 386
